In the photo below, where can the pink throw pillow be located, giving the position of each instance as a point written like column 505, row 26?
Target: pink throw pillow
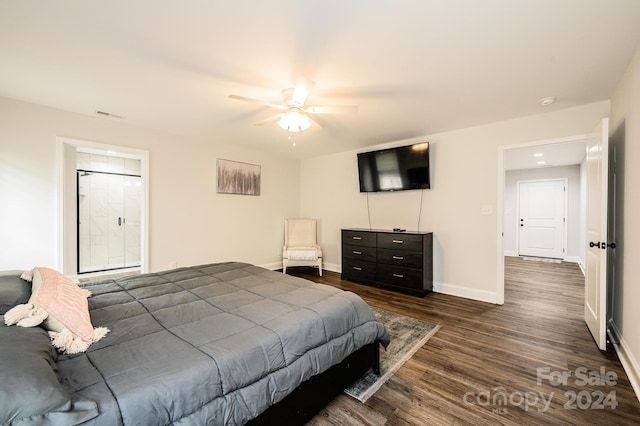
column 65, row 302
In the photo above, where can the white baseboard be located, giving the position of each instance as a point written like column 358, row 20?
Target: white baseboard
column 576, row 259
column 628, row 361
column 466, row 292
column 452, row 290
column 511, row 253
column 333, row 267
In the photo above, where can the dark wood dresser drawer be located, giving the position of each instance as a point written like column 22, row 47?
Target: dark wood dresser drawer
column 400, row 241
column 401, row 261
column 358, row 238
column 408, row 259
column 402, row 277
column 358, row 269
column 359, row 252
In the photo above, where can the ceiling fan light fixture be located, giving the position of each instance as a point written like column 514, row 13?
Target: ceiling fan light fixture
column 294, row 121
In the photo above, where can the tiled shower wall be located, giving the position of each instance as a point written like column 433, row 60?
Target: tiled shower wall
column 109, row 212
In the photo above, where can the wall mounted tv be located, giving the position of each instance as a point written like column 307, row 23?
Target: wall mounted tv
column 395, row 169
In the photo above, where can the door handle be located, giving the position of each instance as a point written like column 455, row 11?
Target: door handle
column 357, row 252
column 605, row 245
column 119, row 221
column 592, row 244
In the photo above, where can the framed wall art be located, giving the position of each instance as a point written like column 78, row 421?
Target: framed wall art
column 238, row 178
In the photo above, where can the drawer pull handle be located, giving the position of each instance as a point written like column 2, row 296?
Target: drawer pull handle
column 398, row 275
column 357, row 252
column 398, row 241
column 357, row 268
column 357, row 238
column 398, row 257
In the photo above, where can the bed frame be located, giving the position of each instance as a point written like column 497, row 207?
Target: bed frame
column 311, row 396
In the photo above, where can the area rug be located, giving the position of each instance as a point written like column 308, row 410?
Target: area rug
column 407, row 336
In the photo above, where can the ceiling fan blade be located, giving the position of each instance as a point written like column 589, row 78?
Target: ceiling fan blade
column 314, row 122
column 339, row 109
column 301, row 91
column 256, row 101
column 268, row 120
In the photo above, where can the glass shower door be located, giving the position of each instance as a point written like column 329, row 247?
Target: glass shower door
column 108, row 221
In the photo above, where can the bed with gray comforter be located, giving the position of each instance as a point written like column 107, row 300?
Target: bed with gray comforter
column 212, row 344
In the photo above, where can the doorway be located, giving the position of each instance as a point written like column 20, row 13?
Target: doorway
column 536, row 161
column 103, row 215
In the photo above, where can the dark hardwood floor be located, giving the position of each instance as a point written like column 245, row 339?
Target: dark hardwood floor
column 484, row 352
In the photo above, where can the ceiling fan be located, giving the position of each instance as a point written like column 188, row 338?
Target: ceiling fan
column 295, row 115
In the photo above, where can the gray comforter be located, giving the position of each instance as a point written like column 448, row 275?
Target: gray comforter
column 214, row 344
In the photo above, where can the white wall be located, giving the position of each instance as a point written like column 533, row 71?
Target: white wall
column 511, row 223
column 625, row 119
column 464, row 179
column 189, row 223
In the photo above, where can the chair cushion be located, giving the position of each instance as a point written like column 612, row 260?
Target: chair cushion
column 302, row 254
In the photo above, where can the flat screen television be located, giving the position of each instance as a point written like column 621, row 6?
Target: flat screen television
column 395, row 169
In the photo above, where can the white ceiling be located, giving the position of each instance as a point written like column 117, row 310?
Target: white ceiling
column 555, row 155
column 413, row 67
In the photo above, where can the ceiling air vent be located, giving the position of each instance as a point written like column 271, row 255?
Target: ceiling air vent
column 108, row 114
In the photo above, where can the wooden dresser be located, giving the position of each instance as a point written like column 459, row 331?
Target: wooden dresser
column 400, row 261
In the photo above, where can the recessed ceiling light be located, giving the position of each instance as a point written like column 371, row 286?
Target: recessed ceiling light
column 547, row 101
column 542, row 162
column 538, row 154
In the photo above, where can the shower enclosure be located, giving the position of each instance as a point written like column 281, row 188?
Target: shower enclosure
column 109, row 212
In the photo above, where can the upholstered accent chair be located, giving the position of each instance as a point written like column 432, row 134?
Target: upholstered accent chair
column 300, row 244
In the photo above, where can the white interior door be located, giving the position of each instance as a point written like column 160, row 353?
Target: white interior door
column 542, row 213
column 595, row 295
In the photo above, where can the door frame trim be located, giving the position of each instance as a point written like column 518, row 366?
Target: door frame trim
column 62, row 231
column 502, row 150
column 566, row 206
